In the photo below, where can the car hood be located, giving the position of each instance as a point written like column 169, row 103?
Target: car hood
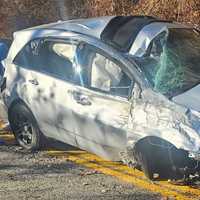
column 189, row 99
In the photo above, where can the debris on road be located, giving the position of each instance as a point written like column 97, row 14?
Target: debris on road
column 90, row 172
column 37, row 176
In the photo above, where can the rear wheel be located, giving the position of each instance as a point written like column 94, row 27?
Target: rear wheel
column 25, row 127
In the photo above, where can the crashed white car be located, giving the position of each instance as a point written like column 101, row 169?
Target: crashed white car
column 124, row 88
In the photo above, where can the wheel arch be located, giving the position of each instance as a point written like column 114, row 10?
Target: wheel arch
column 168, row 160
column 151, row 139
column 23, row 107
column 178, row 138
column 19, row 101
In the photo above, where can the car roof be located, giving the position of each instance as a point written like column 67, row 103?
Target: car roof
column 88, row 26
column 105, row 28
column 118, row 31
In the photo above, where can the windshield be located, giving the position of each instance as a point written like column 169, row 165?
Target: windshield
column 172, row 62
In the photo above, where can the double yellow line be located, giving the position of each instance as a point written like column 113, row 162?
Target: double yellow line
column 121, row 172
column 128, row 175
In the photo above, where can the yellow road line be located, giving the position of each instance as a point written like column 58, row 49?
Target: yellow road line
column 8, row 138
column 129, row 171
column 120, row 171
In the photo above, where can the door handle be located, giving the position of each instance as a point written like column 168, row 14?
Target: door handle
column 34, row 82
column 81, row 98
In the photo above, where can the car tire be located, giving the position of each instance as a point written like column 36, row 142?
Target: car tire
column 146, row 165
column 145, row 155
column 155, row 157
column 24, row 127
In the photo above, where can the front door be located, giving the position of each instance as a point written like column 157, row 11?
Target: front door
column 100, row 104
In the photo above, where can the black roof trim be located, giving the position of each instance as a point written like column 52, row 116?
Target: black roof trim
column 122, row 31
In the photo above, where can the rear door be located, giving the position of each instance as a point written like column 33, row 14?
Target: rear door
column 45, row 70
column 59, row 67
column 27, row 80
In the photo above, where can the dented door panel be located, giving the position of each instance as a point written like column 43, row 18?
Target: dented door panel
column 104, row 120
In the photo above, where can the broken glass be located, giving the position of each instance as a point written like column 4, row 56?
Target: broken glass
column 173, row 67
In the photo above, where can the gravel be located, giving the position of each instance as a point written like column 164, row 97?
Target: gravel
column 24, row 175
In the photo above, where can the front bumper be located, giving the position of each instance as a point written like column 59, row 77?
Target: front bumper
column 194, row 155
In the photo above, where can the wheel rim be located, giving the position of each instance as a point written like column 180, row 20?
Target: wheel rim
column 23, row 130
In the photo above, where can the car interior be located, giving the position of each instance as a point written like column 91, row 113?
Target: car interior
column 101, row 73
column 83, row 65
column 57, row 63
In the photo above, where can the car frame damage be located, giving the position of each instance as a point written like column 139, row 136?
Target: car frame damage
column 163, row 138
column 149, row 130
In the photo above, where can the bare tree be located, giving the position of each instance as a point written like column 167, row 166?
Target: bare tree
column 64, row 8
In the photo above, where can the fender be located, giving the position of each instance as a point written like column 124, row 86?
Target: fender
column 154, row 115
column 19, row 101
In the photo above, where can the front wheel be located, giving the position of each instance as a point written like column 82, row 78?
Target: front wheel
column 160, row 160
column 24, row 127
column 147, row 165
column 149, row 157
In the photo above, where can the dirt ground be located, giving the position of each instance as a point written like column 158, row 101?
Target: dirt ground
column 38, row 176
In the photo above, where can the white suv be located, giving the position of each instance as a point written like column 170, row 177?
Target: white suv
column 124, row 88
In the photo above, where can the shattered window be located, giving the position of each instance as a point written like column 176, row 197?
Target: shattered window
column 174, row 67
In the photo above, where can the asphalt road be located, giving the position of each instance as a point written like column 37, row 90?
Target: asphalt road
column 63, row 172
column 42, row 176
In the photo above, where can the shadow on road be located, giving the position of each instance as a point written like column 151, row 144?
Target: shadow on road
column 61, row 151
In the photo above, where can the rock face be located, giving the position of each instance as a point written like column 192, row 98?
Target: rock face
column 19, row 14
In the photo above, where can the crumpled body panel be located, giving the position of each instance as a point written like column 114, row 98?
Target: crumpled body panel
column 155, row 115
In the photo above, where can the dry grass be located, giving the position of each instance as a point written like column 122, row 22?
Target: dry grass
column 18, row 14
column 187, row 11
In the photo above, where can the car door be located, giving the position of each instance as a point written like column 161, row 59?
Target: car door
column 29, row 83
column 46, row 85
column 100, row 104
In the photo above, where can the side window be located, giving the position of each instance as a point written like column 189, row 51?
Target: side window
column 58, row 59
column 28, row 56
column 103, row 74
column 156, row 46
column 51, row 57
